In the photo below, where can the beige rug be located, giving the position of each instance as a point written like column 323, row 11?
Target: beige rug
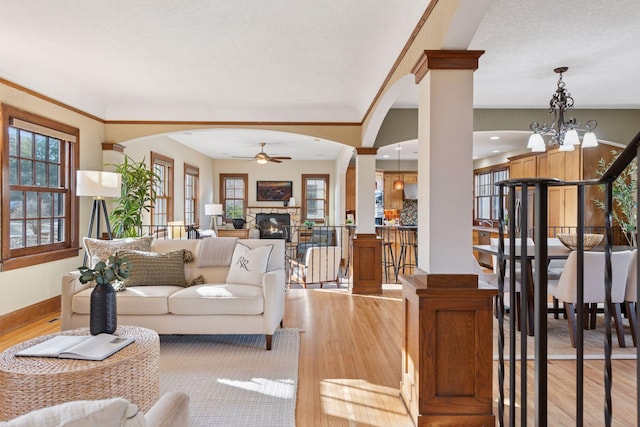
column 231, row 379
column 559, row 344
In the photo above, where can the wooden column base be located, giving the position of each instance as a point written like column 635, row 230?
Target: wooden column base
column 367, row 257
column 447, row 350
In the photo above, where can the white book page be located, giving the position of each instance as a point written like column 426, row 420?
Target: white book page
column 98, row 347
column 53, row 346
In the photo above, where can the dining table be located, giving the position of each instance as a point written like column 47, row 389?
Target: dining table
column 554, row 252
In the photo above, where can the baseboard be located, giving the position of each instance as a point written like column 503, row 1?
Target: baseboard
column 22, row 317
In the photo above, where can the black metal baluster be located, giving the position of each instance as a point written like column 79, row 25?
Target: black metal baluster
column 500, row 309
column 540, row 289
column 608, row 200
column 524, row 298
column 580, row 310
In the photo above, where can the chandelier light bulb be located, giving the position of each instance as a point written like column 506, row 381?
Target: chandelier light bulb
column 571, row 138
column 589, row 140
column 535, row 141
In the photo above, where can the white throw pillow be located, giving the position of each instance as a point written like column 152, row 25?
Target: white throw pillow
column 114, row 412
column 248, row 265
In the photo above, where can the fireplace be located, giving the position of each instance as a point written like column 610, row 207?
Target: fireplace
column 274, row 225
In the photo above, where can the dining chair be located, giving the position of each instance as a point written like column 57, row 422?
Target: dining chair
column 554, row 270
column 631, row 296
column 507, row 275
column 566, row 288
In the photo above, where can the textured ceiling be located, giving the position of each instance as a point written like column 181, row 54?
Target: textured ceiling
column 284, row 60
column 240, row 60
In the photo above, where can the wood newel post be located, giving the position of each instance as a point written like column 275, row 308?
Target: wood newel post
column 367, row 259
column 447, row 350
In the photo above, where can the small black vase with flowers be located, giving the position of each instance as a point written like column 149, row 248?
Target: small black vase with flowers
column 103, row 310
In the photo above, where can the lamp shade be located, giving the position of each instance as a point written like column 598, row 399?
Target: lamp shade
column 98, row 183
column 571, row 138
column 589, row 140
column 213, row 209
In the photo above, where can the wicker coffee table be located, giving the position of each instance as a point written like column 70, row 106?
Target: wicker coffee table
column 29, row 383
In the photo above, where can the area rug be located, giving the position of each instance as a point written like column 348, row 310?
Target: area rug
column 559, row 344
column 232, row 380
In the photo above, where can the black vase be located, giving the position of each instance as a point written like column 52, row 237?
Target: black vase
column 103, row 316
column 238, row 223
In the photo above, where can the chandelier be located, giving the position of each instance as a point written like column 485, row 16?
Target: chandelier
column 562, row 133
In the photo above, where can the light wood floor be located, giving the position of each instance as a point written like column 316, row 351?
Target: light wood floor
column 350, row 365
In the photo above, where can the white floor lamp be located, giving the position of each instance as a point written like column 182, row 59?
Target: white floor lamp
column 98, row 184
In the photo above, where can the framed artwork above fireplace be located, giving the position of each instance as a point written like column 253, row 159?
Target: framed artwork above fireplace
column 273, row 191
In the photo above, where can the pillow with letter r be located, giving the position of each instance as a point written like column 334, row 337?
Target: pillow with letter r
column 248, row 265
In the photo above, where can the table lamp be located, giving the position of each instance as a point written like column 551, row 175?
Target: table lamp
column 215, row 210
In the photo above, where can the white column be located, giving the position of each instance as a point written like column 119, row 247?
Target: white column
column 445, row 166
column 365, row 190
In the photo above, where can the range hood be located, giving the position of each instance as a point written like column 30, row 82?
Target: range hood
column 410, row 191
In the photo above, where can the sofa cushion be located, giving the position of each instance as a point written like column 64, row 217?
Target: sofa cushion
column 114, row 412
column 133, row 300
column 217, row 299
column 248, row 265
column 100, row 250
column 153, row 269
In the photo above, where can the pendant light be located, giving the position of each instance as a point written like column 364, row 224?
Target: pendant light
column 398, row 184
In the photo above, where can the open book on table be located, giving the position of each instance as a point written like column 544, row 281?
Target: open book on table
column 82, row 347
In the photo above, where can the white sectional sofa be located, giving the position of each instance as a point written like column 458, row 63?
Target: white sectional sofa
column 227, row 302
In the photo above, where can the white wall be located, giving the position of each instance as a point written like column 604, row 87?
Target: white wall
column 26, row 286
column 142, row 148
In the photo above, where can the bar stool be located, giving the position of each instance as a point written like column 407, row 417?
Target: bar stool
column 408, row 243
column 388, row 259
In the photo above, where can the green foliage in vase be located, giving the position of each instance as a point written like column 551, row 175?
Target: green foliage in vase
column 137, row 194
column 103, row 273
column 623, row 195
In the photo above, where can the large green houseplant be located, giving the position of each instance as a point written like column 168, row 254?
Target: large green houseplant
column 137, row 195
column 623, row 194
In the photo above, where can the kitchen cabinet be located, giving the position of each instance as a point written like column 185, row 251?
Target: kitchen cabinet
column 568, row 166
column 523, row 167
column 393, row 198
column 483, row 236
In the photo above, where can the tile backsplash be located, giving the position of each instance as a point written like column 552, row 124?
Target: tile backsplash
column 409, row 214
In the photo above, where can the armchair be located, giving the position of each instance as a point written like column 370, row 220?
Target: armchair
column 321, row 236
column 321, row 265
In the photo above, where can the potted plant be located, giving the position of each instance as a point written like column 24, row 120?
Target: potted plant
column 103, row 310
column 137, row 195
column 624, row 190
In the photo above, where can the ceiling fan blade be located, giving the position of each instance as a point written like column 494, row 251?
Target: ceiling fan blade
column 274, row 160
column 281, row 157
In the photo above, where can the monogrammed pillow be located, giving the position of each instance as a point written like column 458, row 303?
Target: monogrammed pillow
column 248, row 265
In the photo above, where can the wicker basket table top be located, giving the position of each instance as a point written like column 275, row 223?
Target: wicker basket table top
column 30, row 383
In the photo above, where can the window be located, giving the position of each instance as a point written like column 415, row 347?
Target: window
column 233, row 195
column 162, row 210
column 315, row 198
column 487, row 200
column 39, row 160
column 191, row 176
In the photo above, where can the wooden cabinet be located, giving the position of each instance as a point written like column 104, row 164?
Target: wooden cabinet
column 568, row 166
column 523, row 167
column 393, row 198
column 241, row 233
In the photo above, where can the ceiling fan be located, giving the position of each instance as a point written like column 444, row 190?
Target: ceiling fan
column 263, row 158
